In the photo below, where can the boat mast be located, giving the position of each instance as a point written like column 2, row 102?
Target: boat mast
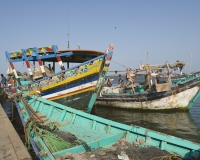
column 68, row 41
column 148, row 72
column 68, row 46
column 190, row 62
column 147, row 57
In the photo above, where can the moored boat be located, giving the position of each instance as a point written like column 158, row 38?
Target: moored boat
column 46, row 122
column 76, row 87
column 177, row 92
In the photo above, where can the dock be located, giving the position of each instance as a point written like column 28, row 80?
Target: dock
column 11, row 146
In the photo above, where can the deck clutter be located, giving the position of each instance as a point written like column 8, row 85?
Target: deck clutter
column 166, row 92
column 54, row 106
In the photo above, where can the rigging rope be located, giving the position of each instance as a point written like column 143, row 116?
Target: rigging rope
column 119, row 64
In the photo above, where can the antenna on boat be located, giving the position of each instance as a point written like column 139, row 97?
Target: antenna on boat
column 68, row 41
column 68, row 46
column 147, row 57
column 190, row 62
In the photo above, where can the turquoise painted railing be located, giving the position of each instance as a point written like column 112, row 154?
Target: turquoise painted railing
column 193, row 100
column 99, row 132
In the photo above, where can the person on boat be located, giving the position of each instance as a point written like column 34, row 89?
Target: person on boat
column 109, row 83
column 105, row 83
column 133, row 73
column 3, row 81
column 130, row 75
column 11, row 81
column 120, row 80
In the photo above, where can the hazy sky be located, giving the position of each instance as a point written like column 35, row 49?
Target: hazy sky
column 168, row 30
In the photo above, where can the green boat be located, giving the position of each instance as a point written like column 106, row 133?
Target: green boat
column 43, row 119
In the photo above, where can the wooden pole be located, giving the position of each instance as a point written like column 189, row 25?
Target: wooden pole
column 54, row 66
column 147, row 57
column 67, row 65
column 169, row 76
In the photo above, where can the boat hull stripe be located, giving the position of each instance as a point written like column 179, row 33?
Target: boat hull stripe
column 67, row 92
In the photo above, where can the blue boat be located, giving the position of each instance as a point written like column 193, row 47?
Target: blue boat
column 76, row 87
column 91, row 131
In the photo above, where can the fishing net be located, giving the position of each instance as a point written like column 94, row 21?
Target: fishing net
column 53, row 142
column 54, row 139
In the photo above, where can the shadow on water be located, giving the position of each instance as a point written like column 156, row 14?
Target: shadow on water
column 178, row 123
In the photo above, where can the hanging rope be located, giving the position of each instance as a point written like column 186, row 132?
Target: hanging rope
column 119, row 64
column 54, row 139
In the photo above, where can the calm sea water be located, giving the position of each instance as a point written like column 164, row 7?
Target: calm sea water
column 177, row 123
column 181, row 124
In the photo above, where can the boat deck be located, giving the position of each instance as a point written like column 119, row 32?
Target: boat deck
column 11, row 146
column 85, row 133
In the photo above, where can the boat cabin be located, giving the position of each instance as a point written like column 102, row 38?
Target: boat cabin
column 45, row 55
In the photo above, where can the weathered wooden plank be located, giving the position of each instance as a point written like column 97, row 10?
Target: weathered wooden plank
column 163, row 87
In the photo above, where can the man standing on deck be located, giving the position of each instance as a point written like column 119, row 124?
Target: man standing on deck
column 120, row 80
column 3, row 81
column 130, row 76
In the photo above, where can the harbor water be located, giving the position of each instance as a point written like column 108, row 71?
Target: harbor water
column 183, row 124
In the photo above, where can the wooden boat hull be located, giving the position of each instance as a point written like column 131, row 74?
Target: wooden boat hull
column 180, row 100
column 68, row 87
column 181, row 96
column 78, row 84
column 95, row 131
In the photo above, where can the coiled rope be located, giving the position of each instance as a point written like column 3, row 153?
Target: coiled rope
column 170, row 157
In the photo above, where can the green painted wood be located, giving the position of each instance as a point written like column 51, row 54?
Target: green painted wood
column 95, row 144
column 193, row 100
column 45, row 153
column 91, row 103
column 99, row 132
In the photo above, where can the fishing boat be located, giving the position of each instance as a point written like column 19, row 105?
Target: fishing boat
column 166, row 92
column 51, row 128
column 77, row 86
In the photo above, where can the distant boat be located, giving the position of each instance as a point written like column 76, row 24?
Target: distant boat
column 54, row 130
column 179, row 92
column 76, row 87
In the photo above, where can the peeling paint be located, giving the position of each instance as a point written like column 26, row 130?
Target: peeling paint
column 177, row 100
